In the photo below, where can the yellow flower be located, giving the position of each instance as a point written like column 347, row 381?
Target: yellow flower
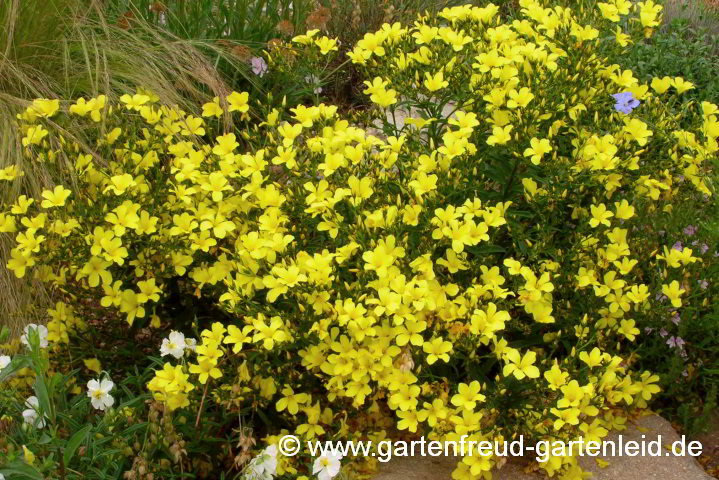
column 56, row 197
column 673, row 292
column 623, row 211
column 305, row 39
column 130, row 305
column 637, row 130
column 226, row 145
column 326, row 44
column 134, row 102
column 291, row 400
column 215, row 335
column 468, row 396
column 649, row 13
column 383, row 256
column 213, row 108
column 537, row 150
column 238, row 337
column 661, row 85
column 19, row 262
column 42, row 107
column 238, row 102
column 500, row 135
column 437, row 349
column 433, row 412
column 628, row 329
column 193, row 126
column 113, row 294
column 96, row 269
column 94, row 107
column 119, row 184
column 622, row 38
column 93, row 364
column 7, row 223
column 435, row 82
column 408, row 420
column 28, row 456
column 609, row 11
column 269, row 334
column 647, row 385
column 593, row 358
column 556, row 377
column 520, row 366
column 600, row 215
column 682, row 85
column 519, row 99
column 34, row 135
column 205, row 369
column 405, row 397
column 10, row 173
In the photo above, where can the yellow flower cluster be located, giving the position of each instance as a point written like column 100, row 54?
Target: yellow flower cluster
column 457, row 270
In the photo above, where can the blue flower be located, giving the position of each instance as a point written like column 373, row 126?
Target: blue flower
column 625, row 102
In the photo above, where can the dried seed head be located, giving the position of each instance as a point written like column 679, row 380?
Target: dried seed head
column 285, row 27
column 158, row 7
column 242, row 52
column 319, row 18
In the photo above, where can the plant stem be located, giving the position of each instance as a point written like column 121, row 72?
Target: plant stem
column 202, row 404
column 62, row 464
column 511, row 180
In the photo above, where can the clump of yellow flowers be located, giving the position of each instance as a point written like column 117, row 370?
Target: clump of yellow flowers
column 482, row 273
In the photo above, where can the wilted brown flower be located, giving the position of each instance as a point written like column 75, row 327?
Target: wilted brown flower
column 158, row 7
column 405, row 361
column 242, row 52
column 319, row 18
column 124, row 21
column 246, row 442
column 285, row 27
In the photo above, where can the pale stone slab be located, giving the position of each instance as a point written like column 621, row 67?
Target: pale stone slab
column 401, row 114
column 664, row 467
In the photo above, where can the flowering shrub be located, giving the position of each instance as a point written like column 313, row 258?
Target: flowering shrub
column 413, row 75
column 487, row 274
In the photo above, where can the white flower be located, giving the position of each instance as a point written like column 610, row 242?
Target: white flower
column 41, row 331
column 174, row 345
column 99, row 393
column 30, row 415
column 327, row 465
column 314, row 80
column 191, row 344
column 264, row 465
column 4, row 362
column 2, row 477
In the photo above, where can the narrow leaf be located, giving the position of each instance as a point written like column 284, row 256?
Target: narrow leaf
column 74, row 443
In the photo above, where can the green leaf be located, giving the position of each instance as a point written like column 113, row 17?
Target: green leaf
column 57, row 380
column 44, row 439
column 18, row 363
column 75, row 442
column 485, row 249
column 20, row 470
column 43, row 396
column 4, row 334
column 264, row 418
